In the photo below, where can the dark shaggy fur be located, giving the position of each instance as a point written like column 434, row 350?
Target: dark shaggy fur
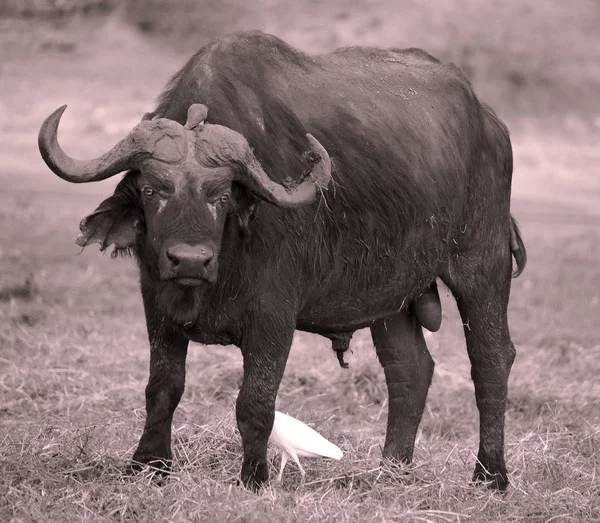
column 420, row 190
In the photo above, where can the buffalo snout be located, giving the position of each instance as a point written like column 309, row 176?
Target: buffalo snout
column 189, row 265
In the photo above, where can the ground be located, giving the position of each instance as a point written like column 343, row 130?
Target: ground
column 74, row 356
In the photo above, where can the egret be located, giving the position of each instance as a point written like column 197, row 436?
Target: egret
column 294, row 438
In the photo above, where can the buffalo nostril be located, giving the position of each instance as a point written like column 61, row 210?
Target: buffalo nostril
column 173, row 258
column 207, row 258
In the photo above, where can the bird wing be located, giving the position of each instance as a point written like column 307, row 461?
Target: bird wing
column 295, row 437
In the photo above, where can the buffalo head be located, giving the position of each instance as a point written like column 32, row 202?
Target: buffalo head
column 184, row 181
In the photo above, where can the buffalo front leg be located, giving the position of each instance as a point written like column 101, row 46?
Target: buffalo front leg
column 265, row 350
column 168, row 351
column 408, row 369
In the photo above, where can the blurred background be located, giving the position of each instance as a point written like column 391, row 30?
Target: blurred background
column 537, row 64
column 73, row 348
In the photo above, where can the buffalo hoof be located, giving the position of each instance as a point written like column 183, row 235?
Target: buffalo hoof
column 397, row 467
column 255, row 474
column 159, row 467
column 397, row 454
column 495, row 481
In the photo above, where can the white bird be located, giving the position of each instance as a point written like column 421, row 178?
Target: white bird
column 294, row 438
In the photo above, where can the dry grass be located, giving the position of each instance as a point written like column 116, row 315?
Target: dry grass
column 74, row 357
column 74, row 365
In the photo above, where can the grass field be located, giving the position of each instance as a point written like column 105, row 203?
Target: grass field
column 74, row 356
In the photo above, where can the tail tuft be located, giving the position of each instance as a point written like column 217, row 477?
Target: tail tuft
column 517, row 247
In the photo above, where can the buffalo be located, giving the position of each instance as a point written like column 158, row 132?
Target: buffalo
column 270, row 190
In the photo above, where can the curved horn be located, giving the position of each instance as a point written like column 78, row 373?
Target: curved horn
column 258, row 182
column 118, row 159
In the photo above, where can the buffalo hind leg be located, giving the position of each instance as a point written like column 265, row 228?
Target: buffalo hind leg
column 408, row 369
column 168, row 351
column 481, row 292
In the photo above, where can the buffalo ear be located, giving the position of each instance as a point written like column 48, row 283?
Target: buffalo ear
column 244, row 208
column 117, row 220
column 244, row 216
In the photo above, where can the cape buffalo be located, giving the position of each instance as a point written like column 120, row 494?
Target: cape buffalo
column 271, row 191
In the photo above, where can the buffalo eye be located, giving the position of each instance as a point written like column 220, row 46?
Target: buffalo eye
column 148, row 191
